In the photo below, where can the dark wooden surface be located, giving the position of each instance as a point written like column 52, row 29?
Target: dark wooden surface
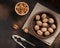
column 8, row 17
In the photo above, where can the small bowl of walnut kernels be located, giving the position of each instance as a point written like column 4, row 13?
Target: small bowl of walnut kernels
column 21, row 8
column 43, row 25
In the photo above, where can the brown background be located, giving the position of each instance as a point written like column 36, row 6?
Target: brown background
column 8, row 17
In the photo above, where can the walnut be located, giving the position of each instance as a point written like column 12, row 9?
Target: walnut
column 25, row 30
column 37, row 17
column 45, row 24
column 50, row 30
column 43, row 29
column 15, row 26
column 51, row 20
column 39, row 23
column 36, row 27
column 39, row 32
column 53, row 26
column 47, row 33
column 43, row 16
column 45, row 20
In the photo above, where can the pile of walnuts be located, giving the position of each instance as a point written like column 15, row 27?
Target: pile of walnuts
column 44, row 24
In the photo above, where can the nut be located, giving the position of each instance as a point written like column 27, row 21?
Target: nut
column 37, row 17
column 39, row 32
column 51, row 20
column 36, row 27
column 15, row 26
column 43, row 16
column 45, row 20
column 39, row 23
column 44, row 24
column 50, row 30
column 47, row 33
column 43, row 29
column 53, row 26
column 25, row 30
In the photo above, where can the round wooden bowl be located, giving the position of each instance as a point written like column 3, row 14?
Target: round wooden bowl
column 21, row 8
column 32, row 24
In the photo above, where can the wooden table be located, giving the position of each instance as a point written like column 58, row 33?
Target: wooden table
column 8, row 17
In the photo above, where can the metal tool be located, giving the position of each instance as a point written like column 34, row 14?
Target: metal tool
column 13, row 36
column 22, row 39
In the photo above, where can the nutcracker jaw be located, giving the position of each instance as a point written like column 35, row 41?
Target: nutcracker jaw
column 14, row 38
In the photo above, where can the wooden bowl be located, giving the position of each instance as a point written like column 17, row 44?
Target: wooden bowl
column 32, row 24
column 21, row 8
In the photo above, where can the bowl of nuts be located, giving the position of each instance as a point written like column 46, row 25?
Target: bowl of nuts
column 43, row 25
column 21, row 8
